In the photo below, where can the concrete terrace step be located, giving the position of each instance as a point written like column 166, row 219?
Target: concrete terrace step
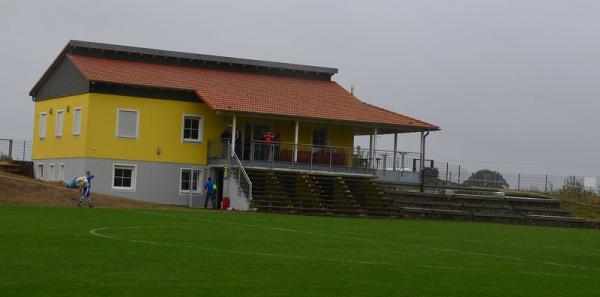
column 556, row 218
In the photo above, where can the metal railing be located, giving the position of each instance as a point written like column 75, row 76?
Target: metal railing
column 13, row 149
column 237, row 171
column 318, row 157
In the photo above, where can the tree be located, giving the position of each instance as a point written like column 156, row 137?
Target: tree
column 574, row 186
column 486, row 178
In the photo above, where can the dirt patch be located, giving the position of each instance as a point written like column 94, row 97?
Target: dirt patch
column 18, row 189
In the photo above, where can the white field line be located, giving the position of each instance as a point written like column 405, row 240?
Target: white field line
column 450, row 251
column 403, row 236
column 99, row 233
column 444, row 250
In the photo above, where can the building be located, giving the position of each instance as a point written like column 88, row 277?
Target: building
column 150, row 123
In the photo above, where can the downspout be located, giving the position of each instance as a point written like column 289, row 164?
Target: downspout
column 422, row 161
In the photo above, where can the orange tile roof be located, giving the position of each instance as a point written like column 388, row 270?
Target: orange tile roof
column 248, row 92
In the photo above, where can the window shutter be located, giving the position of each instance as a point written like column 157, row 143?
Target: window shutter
column 43, row 125
column 127, row 124
column 77, row 121
column 59, row 123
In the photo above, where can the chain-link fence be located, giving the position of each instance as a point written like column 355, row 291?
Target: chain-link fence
column 15, row 149
column 452, row 174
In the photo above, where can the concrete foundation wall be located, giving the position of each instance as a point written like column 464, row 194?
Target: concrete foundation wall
column 154, row 181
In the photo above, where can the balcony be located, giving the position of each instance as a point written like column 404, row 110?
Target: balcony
column 383, row 163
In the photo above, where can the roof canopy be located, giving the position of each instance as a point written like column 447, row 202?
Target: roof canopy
column 244, row 92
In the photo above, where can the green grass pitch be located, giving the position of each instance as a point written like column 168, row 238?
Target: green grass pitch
column 58, row 251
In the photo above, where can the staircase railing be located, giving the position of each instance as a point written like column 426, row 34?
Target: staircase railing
column 237, row 171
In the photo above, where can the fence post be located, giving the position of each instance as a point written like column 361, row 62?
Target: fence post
column 459, row 174
column 519, row 182
column 10, row 144
column 24, row 148
column 271, row 154
column 402, row 164
column 546, row 185
column 311, row 157
column 446, row 171
column 252, row 150
column 349, row 161
column 330, row 159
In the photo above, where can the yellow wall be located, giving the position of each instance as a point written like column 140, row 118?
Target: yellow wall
column 160, row 126
column 339, row 135
column 67, row 146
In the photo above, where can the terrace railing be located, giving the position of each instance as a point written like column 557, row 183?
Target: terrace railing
column 319, row 158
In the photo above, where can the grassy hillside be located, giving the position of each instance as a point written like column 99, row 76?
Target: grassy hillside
column 23, row 190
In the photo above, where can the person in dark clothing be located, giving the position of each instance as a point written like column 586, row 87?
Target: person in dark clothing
column 277, row 145
column 86, row 190
column 209, row 188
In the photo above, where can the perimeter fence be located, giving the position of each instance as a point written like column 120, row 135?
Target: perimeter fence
column 15, row 149
column 454, row 175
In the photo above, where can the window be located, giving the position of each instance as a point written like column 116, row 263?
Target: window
column 124, row 177
column 59, row 123
column 43, row 117
column 320, row 136
column 77, row 121
column 51, row 172
column 190, row 178
column 192, row 128
column 61, row 171
column 127, row 123
column 40, row 171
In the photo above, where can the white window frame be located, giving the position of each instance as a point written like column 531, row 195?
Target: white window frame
column 199, row 188
column 51, row 169
column 59, row 133
column 133, row 177
column 137, row 124
column 40, row 170
column 200, row 128
column 42, row 132
column 61, row 171
column 77, row 132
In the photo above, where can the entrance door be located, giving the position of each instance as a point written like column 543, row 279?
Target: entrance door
column 219, row 182
column 253, row 132
column 247, row 141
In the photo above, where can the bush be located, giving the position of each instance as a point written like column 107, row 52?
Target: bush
column 574, row 188
column 486, row 178
column 4, row 157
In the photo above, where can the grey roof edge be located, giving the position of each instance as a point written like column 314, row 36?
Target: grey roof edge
column 202, row 57
column 48, row 70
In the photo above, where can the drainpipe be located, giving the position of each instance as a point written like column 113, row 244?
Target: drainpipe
column 296, row 141
column 422, row 161
column 374, row 147
column 370, row 155
column 233, row 134
column 395, row 151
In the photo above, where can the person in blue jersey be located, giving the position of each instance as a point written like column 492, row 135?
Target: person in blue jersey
column 86, row 190
column 209, row 188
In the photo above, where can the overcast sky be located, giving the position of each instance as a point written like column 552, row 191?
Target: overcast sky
column 515, row 84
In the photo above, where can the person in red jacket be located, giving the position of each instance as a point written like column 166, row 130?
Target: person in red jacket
column 268, row 139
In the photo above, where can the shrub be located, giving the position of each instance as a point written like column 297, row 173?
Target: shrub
column 486, row 178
